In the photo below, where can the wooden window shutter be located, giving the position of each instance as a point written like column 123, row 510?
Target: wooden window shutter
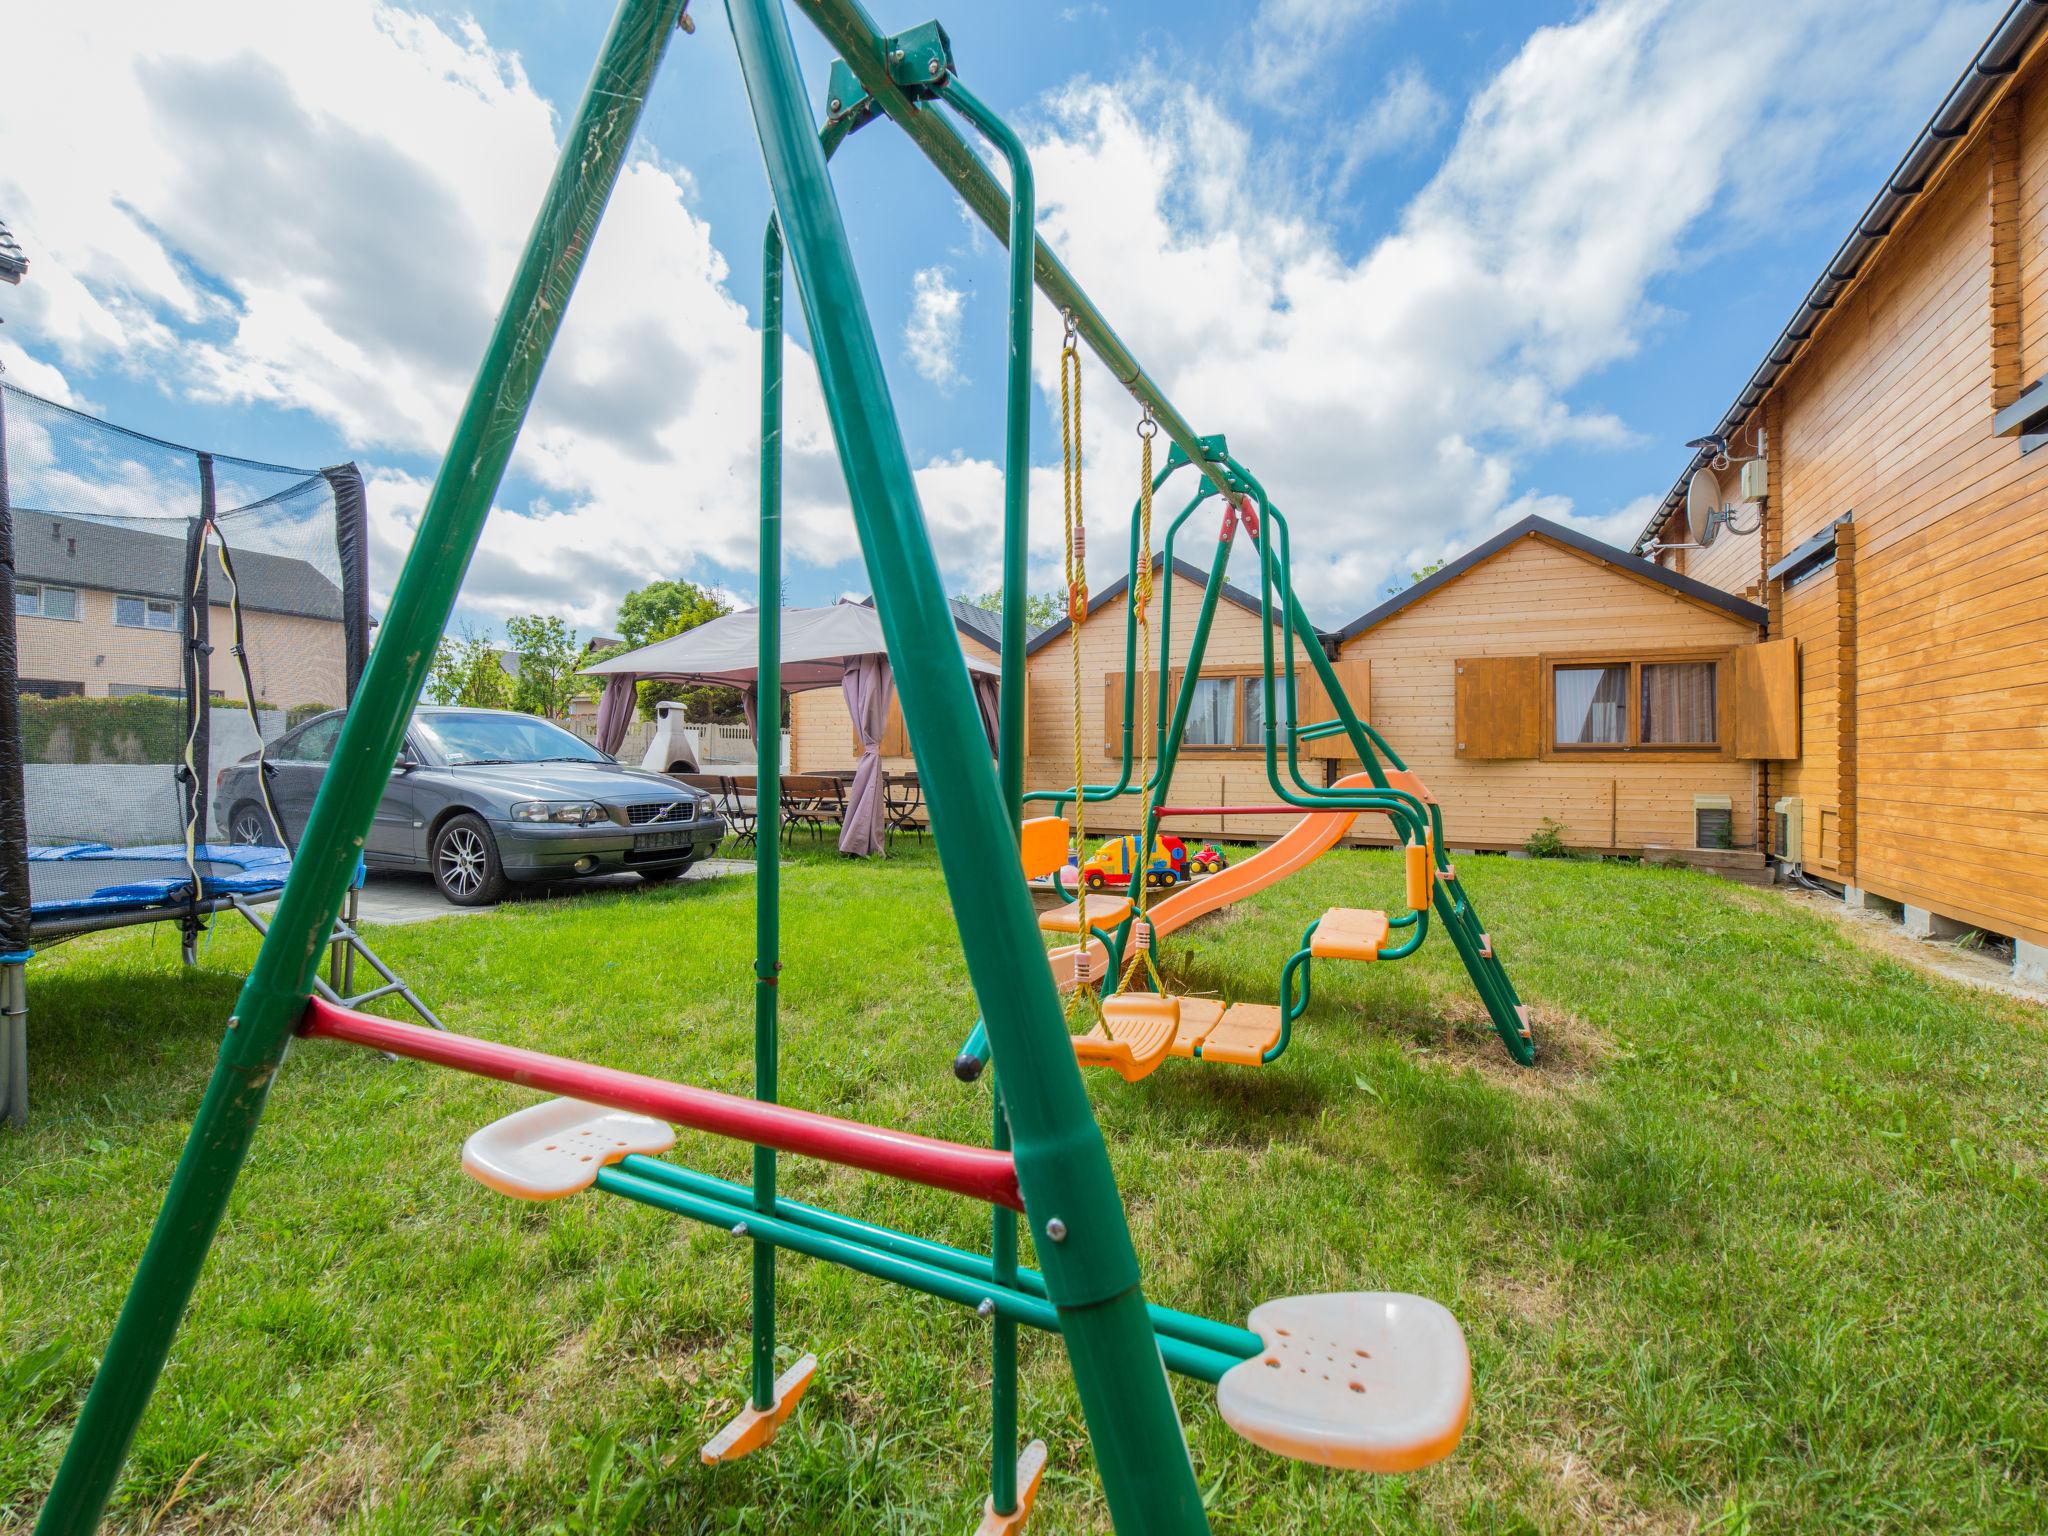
column 1354, row 676
column 1113, row 716
column 1499, row 706
column 895, row 738
column 1764, row 683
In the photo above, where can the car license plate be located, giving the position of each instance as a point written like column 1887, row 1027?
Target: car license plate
column 657, row 840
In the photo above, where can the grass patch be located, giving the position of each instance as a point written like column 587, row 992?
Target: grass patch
column 1758, row 1247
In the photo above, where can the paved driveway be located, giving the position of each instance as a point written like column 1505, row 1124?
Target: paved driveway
column 405, row 898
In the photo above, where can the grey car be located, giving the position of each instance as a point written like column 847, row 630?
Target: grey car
column 483, row 797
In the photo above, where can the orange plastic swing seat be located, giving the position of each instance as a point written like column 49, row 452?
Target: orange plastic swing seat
column 1103, row 912
column 1135, row 1035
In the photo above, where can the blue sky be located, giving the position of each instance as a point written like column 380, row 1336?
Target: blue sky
column 1432, row 265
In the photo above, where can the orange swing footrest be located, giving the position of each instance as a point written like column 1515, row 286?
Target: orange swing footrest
column 1243, row 1036
column 1349, row 933
column 1135, row 1034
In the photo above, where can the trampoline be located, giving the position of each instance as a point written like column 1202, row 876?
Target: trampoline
column 165, row 612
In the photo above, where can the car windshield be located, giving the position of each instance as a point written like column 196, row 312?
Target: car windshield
column 462, row 737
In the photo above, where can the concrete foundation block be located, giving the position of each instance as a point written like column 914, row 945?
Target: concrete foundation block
column 1855, row 898
column 1923, row 924
column 2030, row 963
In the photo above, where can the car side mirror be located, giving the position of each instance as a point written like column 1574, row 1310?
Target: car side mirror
column 405, row 764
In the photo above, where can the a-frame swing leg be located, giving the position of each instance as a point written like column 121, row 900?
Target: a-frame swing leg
column 274, row 996
column 1070, row 1193
column 1013, row 1479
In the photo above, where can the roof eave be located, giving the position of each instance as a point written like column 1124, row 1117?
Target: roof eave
column 1930, row 154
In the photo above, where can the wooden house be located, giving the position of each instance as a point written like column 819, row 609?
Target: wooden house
column 1544, row 675
column 1883, row 492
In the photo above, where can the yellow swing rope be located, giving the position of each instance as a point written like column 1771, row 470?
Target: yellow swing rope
column 1141, row 927
column 1077, row 613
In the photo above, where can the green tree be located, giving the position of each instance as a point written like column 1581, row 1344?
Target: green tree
column 1041, row 609
column 662, row 610
column 467, row 671
column 546, row 648
column 1396, row 588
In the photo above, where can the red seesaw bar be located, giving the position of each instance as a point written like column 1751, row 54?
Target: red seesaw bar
column 1228, row 810
column 977, row 1172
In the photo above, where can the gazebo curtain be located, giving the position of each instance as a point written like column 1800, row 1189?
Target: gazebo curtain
column 868, row 685
column 615, row 711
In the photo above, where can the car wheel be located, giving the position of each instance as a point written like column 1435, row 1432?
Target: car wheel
column 466, row 864
column 1095, row 881
column 666, row 872
column 250, row 827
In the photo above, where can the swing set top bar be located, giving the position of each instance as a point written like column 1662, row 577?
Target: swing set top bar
column 847, row 26
column 977, row 1172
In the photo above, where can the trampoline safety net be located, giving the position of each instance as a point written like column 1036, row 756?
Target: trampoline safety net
column 166, row 614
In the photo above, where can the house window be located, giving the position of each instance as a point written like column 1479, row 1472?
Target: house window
column 145, row 613
column 1592, row 706
column 1620, row 706
column 1678, row 704
column 1255, row 710
column 49, row 688
column 1212, row 716
column 129, row 690
column 43, row 602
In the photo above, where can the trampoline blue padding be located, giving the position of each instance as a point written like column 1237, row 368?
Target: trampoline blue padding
column 81, row 878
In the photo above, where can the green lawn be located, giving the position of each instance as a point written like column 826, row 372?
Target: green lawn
column 1759, row 1247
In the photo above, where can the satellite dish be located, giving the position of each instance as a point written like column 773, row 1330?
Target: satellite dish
column 1702, row 500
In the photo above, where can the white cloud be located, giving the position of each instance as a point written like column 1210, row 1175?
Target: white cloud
column 317, row 208
column 1407, row 388
column 931, row 335
column 1403, row 119
column 1292, row 38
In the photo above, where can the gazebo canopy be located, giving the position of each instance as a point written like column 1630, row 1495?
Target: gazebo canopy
column 817, row 646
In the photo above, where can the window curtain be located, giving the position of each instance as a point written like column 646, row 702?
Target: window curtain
column 1679, row 704
column 1592, row 706
column 1255, row 710
column 1211, row 717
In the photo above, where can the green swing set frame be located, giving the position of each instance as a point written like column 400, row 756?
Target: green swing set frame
column 1048, row 1160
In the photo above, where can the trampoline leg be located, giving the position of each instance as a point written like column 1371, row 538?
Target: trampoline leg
column 14, row 1043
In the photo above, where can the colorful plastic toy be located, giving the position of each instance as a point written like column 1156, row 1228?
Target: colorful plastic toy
column 1397, row 1393
column 1167, row 867
column 1207, row 860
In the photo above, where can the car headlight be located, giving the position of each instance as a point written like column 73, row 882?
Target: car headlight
column 576, row 812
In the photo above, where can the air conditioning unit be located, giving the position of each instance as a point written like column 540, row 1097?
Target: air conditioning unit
column 1713, row 821
column 1788, row 829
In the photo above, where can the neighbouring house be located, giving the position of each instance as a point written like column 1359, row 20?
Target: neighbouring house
column 821, row 738
column 1879, row 485
column 97, row 613
column 1544, row 675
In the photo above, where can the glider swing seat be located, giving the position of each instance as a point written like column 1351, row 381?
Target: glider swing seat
column 1368, row 1380
column 1134, row 1032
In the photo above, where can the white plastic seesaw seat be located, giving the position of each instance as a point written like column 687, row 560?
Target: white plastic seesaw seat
column 1375, row 1381
column 554, row 1149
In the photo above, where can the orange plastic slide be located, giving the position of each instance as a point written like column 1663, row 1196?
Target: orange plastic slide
column 1300, row 846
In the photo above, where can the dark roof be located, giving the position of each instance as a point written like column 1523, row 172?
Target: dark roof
column 976, row 622
column 131, row 558
column 13, row 265
column 1931, row 150
column 1624, row 562
column 1249, row 601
